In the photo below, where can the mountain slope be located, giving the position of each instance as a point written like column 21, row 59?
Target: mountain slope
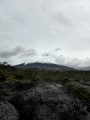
column 45, row 66
column 86, row 69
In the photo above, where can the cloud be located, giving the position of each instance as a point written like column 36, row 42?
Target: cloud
column 45, row 54
column 58, row 49
column 55, row 51
column 20, row 54
column 58, row 57
column 17, row 51
column 29, row 52
column 11, row 52
column 73, row 62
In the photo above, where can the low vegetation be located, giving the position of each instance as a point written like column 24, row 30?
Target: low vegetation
column 79, row 92
column 10, row 73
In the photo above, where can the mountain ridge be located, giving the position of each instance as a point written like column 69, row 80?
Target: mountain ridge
column 45, row 66
column 86, row 68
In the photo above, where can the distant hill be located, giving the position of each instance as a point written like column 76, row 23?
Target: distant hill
column 45, row 66
column 86, row 69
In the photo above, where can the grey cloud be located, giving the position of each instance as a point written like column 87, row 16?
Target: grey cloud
column 29, row 52
column 51, row 53
column 60, row 18
column 17, row 51
column 11, row 52
column 45, row 54
column 72, row 62
column 58, row 49
column 61, row 59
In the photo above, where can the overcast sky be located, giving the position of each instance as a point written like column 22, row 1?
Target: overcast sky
column 55, row 31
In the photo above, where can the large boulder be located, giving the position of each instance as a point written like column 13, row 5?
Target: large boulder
column 8, row 111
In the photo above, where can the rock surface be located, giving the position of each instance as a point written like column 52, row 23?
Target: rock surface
column 44, row 101
column 8, row 111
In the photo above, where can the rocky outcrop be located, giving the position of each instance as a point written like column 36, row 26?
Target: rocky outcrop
column 48, row 101
column 8, row 111
column 41, row 101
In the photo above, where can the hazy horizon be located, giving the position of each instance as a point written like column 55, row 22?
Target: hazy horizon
column 54, row 31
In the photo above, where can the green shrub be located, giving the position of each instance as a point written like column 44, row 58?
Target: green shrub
column 80, row 92
column 19, row 76
column 2, row 77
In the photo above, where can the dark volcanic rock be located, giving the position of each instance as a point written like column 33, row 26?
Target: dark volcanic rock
column 8, row 111
column 10, row 90
column 48, row 101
